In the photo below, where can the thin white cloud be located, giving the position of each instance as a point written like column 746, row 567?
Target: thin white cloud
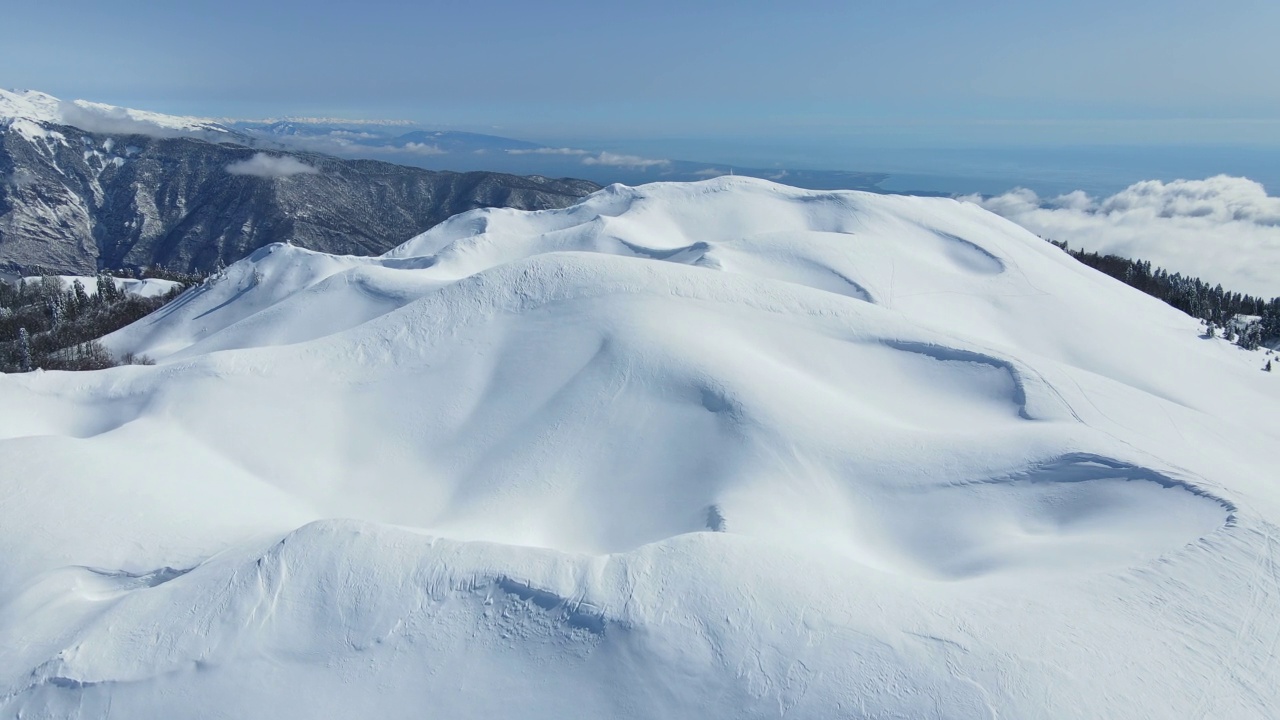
column 271, row 166
column 112, row 120
column 1223, row 229
column 418, row 148
column 345, row 134
column 547, row 151
column 409, row 148
column 318, row 121
column 709, row 172
column 627, row 161
column 334, row 143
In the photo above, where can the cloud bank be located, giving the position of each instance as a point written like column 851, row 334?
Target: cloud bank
column 418, row 148
column 1222, row 229
column 270, row 166
column 627, row 161
column 319, row 121
column 343, row 142
column 634, row 162
column 548, row 151
column 112, row 120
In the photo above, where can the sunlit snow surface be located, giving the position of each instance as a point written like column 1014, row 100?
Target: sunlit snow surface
column 714, row 450
column 30, row 111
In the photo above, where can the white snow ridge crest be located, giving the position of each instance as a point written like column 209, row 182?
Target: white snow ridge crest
column 722, row 449
column 28, row 109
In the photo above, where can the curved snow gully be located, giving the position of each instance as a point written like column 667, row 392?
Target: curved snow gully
column 694, row 250
column 697, row 255
column 1083, row 467
column 950, row 354
column 971, row 245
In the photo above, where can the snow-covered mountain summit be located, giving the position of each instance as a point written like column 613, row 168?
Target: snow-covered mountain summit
column 720, row 449
column 33, row 113
column 31, row 105
column 86, row 187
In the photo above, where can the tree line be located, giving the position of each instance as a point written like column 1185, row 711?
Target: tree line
column 1219, row 309
column 47, row 324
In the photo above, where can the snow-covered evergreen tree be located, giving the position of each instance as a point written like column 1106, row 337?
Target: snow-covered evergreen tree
column 24, row 350
column 106, row 289
column 81, row 296
column 56, row 310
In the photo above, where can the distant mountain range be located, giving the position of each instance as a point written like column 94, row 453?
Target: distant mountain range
column 85, row 186
column 454, row 150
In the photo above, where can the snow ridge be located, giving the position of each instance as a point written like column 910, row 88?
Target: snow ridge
column 28, row 110
column 719, row 449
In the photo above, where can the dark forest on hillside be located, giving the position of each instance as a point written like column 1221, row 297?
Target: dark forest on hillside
column 1217, row 307
column 50, row 325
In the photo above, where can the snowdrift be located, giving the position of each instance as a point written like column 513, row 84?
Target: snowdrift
column 721, row 449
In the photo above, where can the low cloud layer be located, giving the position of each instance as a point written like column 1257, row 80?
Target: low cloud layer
column 299, row 120
column 111, row 120
column 1223, row 229
column 418, row 148
column 632, row 162
column 548, row 151
column 271, row 166
column 627, row 161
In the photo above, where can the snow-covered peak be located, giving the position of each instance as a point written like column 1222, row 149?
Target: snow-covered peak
column 713, row 450
column 30, row 105
column 42, row 109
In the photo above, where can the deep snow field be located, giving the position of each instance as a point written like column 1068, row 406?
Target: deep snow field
column 716, row 450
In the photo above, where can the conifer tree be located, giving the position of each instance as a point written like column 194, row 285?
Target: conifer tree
column 78, row 292
column 56, row 310
column 24, row 350
column 106, row 290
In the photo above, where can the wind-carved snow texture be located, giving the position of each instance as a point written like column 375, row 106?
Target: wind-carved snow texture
column 723, row 449
column 1076, row 513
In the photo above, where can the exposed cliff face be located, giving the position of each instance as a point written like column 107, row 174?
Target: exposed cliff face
column 75, row 201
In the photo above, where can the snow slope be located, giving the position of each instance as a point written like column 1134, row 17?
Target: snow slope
column 721, row 449
column 31, row 112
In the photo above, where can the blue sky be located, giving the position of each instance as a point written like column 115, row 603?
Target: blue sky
column 911, row 74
